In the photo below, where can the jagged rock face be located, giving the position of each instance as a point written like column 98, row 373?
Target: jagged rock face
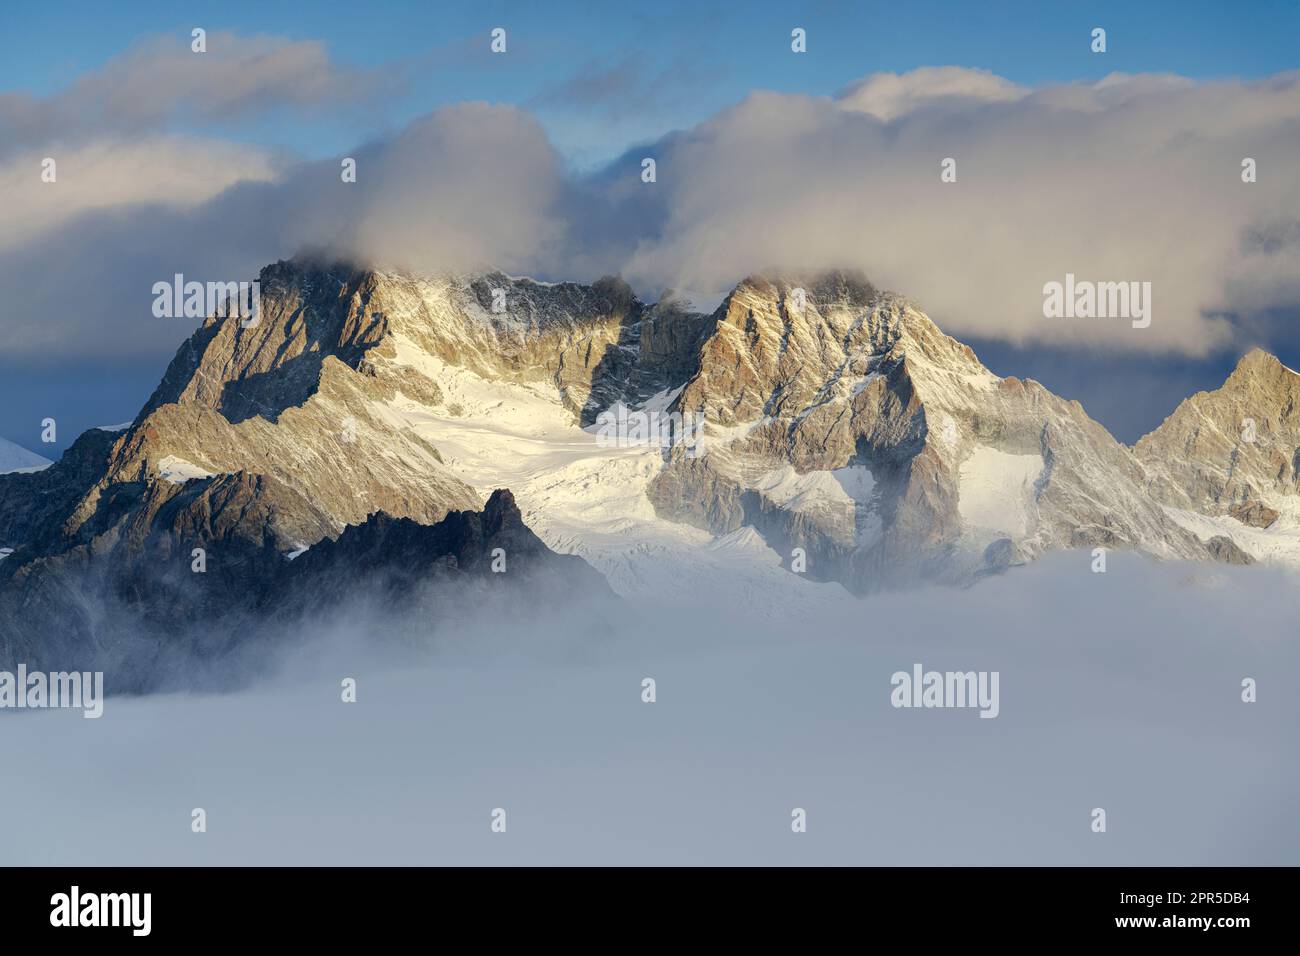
column 1240, row 443
column 397, row 559
column 295, row 394
column 855, row 430
column 32, row 504
column 136, row 619
column 263, row 438
column 1255, row 514
column 862, row 443
column 597, row 344
column 292, row 396
column 1224, row 549
column 155, row 560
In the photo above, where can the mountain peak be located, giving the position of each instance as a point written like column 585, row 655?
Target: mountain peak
column 1257, row 364
column 501, row 511
column 849, row 287
column 1230, row 446
column 841, row 421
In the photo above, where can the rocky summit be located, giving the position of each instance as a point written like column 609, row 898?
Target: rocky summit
column 359, row 435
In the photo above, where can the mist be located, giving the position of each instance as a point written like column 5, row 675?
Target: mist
column 1120, row 691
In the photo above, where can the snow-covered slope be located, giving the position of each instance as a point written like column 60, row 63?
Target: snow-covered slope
column 15, row 458
column 848, row 444
column 969, row 472
column 585, row 498
column 996, row 491
column 1226, row 463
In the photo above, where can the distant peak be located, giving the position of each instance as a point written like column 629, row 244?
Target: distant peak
column 16, row 458
column 1257, row 364
column 1258, row 357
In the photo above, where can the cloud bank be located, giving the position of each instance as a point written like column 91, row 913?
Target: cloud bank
column 1119, row 690
column 161, row 81
column 1133, row 178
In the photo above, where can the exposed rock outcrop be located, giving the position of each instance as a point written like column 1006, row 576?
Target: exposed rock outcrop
column 863, row 444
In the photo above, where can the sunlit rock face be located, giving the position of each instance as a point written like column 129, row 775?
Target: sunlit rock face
column 844, row 439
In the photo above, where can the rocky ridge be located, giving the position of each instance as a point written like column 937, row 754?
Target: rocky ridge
column 864, row 445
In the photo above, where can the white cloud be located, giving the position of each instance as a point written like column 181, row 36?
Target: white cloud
column 161, row 80
column 172, row 171
column 469, row 186
column 887, row 96
column 1133, row 178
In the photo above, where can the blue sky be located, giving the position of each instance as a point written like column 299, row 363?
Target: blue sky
column 683, row 61
column 597, row 80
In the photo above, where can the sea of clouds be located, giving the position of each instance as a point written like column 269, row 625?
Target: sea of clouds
column 1119, row 690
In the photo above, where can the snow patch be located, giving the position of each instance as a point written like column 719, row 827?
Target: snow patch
column 867, row 380
column 744, row 543
column 14, row 459
column 662, row 401
column 178, row 470
column 857, row 481
column 1278, row 544
column 715, row 437
column 815, row 489
column 581, row 497
column 995, row 490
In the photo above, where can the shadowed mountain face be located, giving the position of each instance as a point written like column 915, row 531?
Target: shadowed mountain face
column 397, row 559
column 146, row 611
column 336, row 445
